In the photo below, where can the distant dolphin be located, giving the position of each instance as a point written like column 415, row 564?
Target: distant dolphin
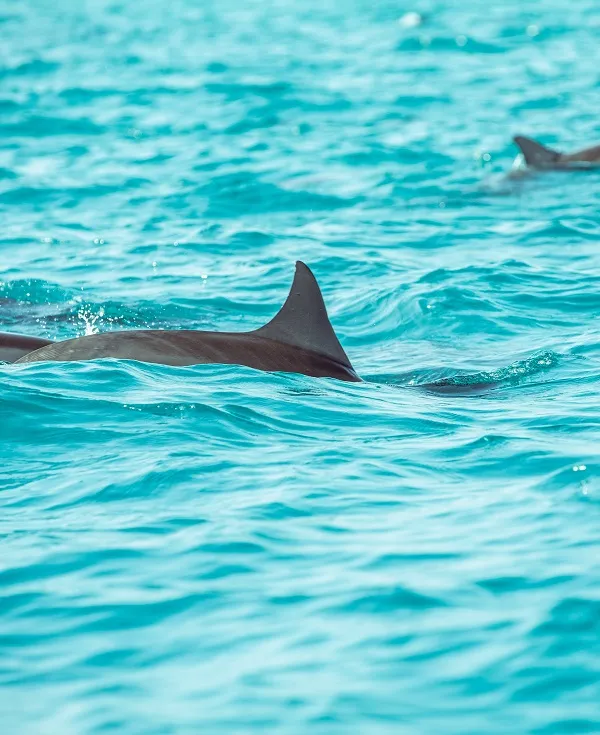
column 14, row 346
column 540, row 157
column 299, row 339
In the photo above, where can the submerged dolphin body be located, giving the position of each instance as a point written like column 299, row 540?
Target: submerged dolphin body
column 299, row 339
column 540, row 157
column 14, row 346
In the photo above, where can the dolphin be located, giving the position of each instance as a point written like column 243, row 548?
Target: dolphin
column 13, row 346
column 299, row 339
column 538, row 156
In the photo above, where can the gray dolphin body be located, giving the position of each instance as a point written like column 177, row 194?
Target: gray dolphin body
column 538, row 156
column 299, row 339
column 14, row 346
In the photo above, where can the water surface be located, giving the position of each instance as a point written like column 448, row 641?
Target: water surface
column 214, row 549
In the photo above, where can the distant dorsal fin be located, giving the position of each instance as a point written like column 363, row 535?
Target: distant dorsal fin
column 535, row 153
column 303, row 322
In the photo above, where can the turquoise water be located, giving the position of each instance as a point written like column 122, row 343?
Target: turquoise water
column 218, row 550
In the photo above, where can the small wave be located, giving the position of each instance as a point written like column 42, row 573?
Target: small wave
column 459, row 43
column 243, row 193
column 445, row 380
column 38, row 126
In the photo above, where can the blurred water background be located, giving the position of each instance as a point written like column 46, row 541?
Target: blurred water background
column 218, row 550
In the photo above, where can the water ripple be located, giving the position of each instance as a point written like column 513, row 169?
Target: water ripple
column 213, row 549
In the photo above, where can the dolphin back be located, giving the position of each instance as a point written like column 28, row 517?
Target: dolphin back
column 536, row 155
column 299, row 339
column 14, row 346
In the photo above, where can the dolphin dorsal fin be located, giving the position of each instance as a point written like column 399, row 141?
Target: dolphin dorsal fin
column 535, row 153
column 303, row 322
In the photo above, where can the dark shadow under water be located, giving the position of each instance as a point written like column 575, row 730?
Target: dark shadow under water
column 445, row 381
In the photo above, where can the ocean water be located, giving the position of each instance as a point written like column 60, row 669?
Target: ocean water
column 218, row 550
